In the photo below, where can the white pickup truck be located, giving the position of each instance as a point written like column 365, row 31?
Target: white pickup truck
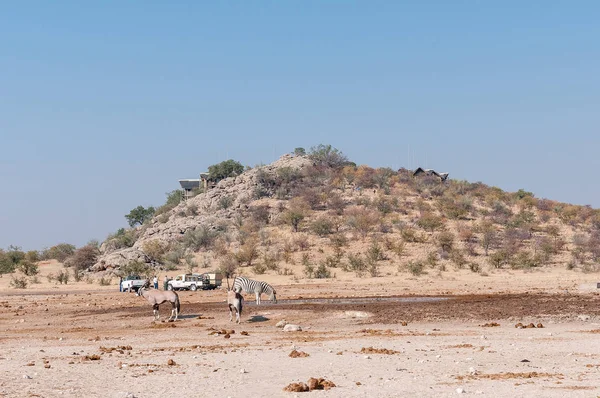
column 132, row 283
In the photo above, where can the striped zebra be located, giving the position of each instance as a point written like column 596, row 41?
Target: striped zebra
column 251, row 286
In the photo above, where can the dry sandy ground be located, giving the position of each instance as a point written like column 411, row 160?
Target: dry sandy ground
column 86, row 340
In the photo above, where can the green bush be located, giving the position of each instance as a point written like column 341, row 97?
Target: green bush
column 201, row 237
column 58, row 252
column 63, row 277
column 225, row 169
column 6, row 264
column 121, row 239
column 416, row 268
column 18, row 282
column 322, row 226
column 28, row 268
column 224, row 202
column 136, row 268
column 322, row 272
column 356, row 263
column 105, row 281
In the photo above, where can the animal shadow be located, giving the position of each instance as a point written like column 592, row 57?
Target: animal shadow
column 258, row 318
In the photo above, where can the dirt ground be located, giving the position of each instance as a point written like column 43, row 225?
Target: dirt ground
column 430, row 336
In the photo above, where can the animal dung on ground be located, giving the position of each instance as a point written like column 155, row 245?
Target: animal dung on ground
column 404, row 323
column 93, row 357
column 529, row 326
column 312, row 384
column 319, row 384
column 171, row 362
column 371, row 350
column 298, row 354
column 227, row 336
column 244, row 333
column 296, row 387
column 490, row 325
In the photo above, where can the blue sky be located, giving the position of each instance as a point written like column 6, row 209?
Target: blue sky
column 104, row 106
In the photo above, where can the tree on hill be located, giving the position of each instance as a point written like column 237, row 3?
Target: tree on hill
column 328, row 156
column 299, row 151
column 227, row 168
column 139, row 215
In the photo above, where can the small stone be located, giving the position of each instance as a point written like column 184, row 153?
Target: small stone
column 459, row 390
column 26, row 377
column 367, row 357
column 171, row 362
column 472, row 371
column 525, row 360
column 292, row 328
column 242, row 371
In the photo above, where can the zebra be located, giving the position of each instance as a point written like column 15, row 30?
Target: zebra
column 251, row 286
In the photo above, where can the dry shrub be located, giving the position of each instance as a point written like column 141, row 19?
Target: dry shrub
column 83, row 258
column 361, row 219
column 430, row 222
column 302, row 242
column 416, row 268
column 155, row 249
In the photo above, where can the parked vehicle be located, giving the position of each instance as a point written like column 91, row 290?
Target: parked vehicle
column 186, row 282
column 132, row 283
column 195, row 282
column 212, row 280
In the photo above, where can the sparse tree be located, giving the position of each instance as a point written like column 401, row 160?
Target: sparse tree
column 58, row 252
column 227, row 168
column 297, row 211
column 327, row 156
column 83, row 258
column 139, row 215
column 299, row 151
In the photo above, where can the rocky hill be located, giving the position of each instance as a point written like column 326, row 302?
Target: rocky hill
column 310, row 219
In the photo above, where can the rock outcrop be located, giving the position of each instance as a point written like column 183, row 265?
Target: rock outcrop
column 205, row 209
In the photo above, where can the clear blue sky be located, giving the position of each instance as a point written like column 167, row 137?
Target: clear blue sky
column 104, row 105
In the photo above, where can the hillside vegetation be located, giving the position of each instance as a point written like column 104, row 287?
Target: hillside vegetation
column 317, row 215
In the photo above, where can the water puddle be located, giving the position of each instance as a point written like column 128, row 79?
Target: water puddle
column 361, row 300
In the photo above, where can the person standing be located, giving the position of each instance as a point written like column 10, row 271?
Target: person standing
column 155, row 280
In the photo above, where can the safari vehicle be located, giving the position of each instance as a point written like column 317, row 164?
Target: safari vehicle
column 132, row 283
column 191, row 282
column 194, row 282
column 212, row 280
